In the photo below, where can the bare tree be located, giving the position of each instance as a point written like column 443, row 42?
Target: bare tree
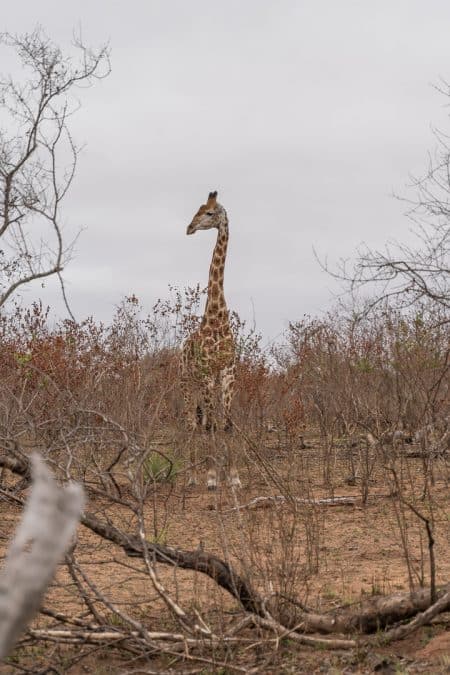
column 38, row 156
column 38, row 159
column 403, row 274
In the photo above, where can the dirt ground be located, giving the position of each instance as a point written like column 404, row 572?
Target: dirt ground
column 322, row 556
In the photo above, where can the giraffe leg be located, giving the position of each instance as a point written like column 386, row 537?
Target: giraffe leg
column 191, row 424
column 227, row 379
column 211, row 476
column 228, row 376
column 209, row 424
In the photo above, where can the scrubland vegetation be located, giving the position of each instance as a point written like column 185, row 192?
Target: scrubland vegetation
column 334, row 557
column 342, row 435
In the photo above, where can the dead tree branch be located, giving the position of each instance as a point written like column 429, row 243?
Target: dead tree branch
column 47, row 527
column 34, row 142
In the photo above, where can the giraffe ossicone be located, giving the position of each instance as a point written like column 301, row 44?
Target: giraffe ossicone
column 208, row 367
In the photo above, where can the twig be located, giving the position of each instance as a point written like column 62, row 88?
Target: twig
column 430, row 549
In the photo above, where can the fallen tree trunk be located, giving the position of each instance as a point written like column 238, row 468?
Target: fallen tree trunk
column 367, row 616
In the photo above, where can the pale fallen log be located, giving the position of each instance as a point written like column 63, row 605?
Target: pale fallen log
column 100, row 636
column 271, row 500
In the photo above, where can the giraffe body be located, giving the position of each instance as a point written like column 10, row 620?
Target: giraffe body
column 208, row 356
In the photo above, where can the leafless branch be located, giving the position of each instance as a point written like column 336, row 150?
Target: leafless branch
column 34, row 146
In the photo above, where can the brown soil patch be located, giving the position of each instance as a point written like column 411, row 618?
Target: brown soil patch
column 437, row 650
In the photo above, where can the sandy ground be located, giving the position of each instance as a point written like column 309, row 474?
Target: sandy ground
column 323, row 556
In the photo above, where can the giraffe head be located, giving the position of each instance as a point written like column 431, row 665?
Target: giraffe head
column 212, row 214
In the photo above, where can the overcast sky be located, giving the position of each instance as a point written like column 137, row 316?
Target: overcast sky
column 305, row 115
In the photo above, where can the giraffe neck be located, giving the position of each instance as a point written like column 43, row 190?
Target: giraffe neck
column 216, row 307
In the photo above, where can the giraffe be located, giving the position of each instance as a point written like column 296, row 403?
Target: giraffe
column 208, row 355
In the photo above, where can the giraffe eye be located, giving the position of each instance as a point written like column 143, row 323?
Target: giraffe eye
column 209, row 213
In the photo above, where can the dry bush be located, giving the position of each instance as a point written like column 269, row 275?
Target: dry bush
column 312, row 417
